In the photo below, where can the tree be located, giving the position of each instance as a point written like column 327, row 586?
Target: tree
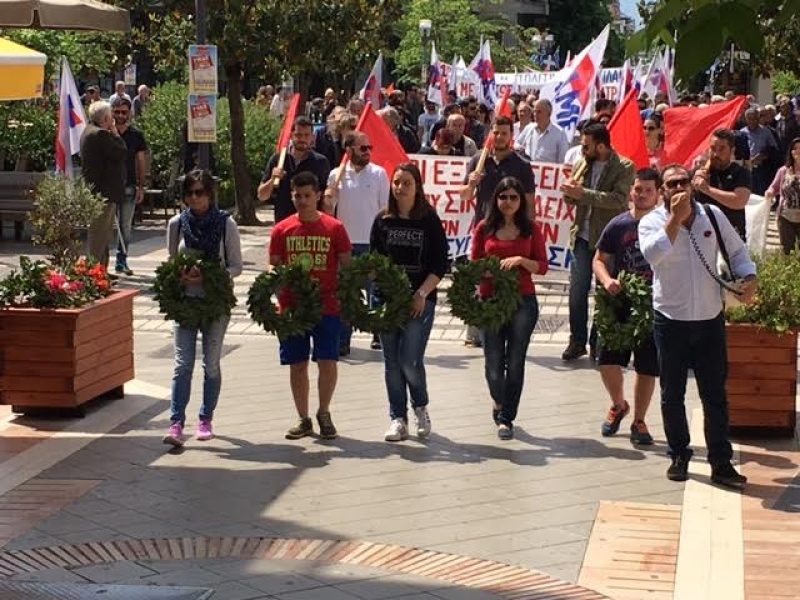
column 331, row 38
column 457, row 28
column 701, row 29
column 575, row 23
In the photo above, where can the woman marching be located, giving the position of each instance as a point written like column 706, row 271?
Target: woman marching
column 786, row 187
column 509, row 233
column 410, row 233
column 209, row 231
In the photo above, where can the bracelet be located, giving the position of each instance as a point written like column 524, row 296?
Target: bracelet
column 422, row 293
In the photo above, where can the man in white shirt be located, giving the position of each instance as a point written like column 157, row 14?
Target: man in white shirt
column 119, row 92
column 362, row 192
column 544, row 140
column 523, row 120
column 679, row 241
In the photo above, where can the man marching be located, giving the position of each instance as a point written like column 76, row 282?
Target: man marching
column 618, row 250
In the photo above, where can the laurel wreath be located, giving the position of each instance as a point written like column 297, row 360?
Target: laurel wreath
column 391, row 286
column 289, row 321
column 624, row 321
column 486, row 313
column 193, row 312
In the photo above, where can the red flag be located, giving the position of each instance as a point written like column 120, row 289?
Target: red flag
column 386, row 149
column 688, row 128
column 389, row 89
column 627, row 135
column 503, row 110
column 286, row 131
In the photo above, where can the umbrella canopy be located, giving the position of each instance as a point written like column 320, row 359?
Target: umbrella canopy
column 63, row 14
column 21, row 71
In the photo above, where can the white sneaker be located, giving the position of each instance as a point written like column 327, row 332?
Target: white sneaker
column 397, row 431
column 423, row 421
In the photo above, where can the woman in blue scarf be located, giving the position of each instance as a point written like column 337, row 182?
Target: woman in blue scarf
column 205, row 229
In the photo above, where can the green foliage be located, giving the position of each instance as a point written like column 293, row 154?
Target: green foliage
column 391, row 286
column 777, row 301
column 180, row 304
column 496, row 310
column 785, row 82
column 28, row 133
column 302, row 308
column 63, row 206
column 575, row 23
column 162, row 124
column 625, row 321
column 39, row 285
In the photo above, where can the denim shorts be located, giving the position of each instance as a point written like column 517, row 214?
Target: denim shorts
column 645, row 358
column 326, row 343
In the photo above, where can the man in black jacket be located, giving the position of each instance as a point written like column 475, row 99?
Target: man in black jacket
column 103, row 155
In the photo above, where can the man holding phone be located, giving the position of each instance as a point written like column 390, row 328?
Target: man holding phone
column 679, row 242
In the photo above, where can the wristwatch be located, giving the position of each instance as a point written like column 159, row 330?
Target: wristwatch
column 422, row 293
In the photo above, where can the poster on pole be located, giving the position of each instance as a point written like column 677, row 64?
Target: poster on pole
column 202, row 118
column 129, row 75
column 203, row 69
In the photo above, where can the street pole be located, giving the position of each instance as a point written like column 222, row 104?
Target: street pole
column 425, row 26
column 203, row 150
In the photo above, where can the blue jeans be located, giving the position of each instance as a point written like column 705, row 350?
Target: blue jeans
column 403, row 357
column 185, row 348
column 580, row 281
column 125, row 218
column 505, row 352
column 700, row 346
column 346, row 332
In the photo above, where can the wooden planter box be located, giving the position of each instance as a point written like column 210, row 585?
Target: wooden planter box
column 62, row 358
column 762, row 380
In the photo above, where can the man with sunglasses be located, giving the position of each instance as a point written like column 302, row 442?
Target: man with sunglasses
column 355, row 198
column 679, row 242
column 135, row 180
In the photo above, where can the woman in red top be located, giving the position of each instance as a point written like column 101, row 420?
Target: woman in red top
column 509, row 233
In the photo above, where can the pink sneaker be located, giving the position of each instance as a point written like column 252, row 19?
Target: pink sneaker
column 204, row 431
column 174, row 435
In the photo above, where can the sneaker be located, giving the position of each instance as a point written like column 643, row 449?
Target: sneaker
column 174, row 435
column 375, row 344
column 204, row 430
column 505, row 432
column 397, row 431
column 122, row 267
column 423, row 421
column 679, row 469
column 327, row 430
column 613, row 419
column 640, row 436
column 728, row 476
column 574, row 350
column 303, row 428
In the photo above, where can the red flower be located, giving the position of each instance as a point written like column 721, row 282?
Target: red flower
column 56, row 281
column 103, row 285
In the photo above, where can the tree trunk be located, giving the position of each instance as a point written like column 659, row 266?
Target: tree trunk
column 245, row 201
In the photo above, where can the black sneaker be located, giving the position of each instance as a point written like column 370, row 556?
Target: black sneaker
column 303, row 428
column 327, row 430
column 679, row 469
column 728, row 476
column 375, row 344
column 574, row 350
column 505, row 431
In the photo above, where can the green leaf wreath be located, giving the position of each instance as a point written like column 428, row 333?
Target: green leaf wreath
column 291, row 321
column 490, row 313
column 193, row 312
column 624, row 321
column 391, row 286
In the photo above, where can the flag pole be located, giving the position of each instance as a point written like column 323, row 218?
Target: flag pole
column 281, row 161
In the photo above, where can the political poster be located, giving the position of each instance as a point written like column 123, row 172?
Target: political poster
column 202, row 118
column 203, row 69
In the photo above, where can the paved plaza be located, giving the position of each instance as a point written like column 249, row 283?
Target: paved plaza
column 558, row 513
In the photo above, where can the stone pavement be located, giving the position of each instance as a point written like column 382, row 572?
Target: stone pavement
column 459, row 516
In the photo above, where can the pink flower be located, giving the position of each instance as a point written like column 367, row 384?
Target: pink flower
column 56, row 281
column 75, row 286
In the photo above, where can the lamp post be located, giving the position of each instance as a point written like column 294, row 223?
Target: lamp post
column 203, row 150
column 425, row 26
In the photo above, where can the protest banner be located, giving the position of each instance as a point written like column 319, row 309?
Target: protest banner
column 443, row 176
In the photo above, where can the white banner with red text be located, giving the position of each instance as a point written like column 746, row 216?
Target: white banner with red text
column 443, row 176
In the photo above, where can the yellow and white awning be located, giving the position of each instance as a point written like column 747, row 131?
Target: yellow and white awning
column 21, row 71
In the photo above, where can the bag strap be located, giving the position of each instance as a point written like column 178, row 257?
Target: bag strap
column 722, row 249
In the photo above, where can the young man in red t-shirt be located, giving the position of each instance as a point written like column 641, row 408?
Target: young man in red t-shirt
column 320, row 243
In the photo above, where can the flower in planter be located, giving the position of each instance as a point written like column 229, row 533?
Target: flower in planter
column 38, row 284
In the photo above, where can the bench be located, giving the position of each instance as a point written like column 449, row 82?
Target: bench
column 17, row 198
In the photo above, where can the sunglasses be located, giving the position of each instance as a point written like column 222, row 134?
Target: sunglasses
column 365, row 148
column 676, row 183
column 508, row 197
column 650, row 128
column 199, row 192
column 120, row 112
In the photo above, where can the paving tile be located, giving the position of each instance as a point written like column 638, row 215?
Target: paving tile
column 53, row 575
column 232, row 590
column 281, row 583
column 124, row 570
column 193, row 576
column 327, row 593
column 376, row 589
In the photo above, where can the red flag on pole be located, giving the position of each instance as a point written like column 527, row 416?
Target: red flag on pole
column 688, row 128
column 386, row 149
column 503, row 110
column 286, row 131
column 627, row 135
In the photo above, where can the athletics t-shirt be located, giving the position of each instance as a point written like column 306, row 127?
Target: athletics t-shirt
column 316, row 245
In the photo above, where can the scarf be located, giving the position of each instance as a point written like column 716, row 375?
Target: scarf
column 204, row 232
